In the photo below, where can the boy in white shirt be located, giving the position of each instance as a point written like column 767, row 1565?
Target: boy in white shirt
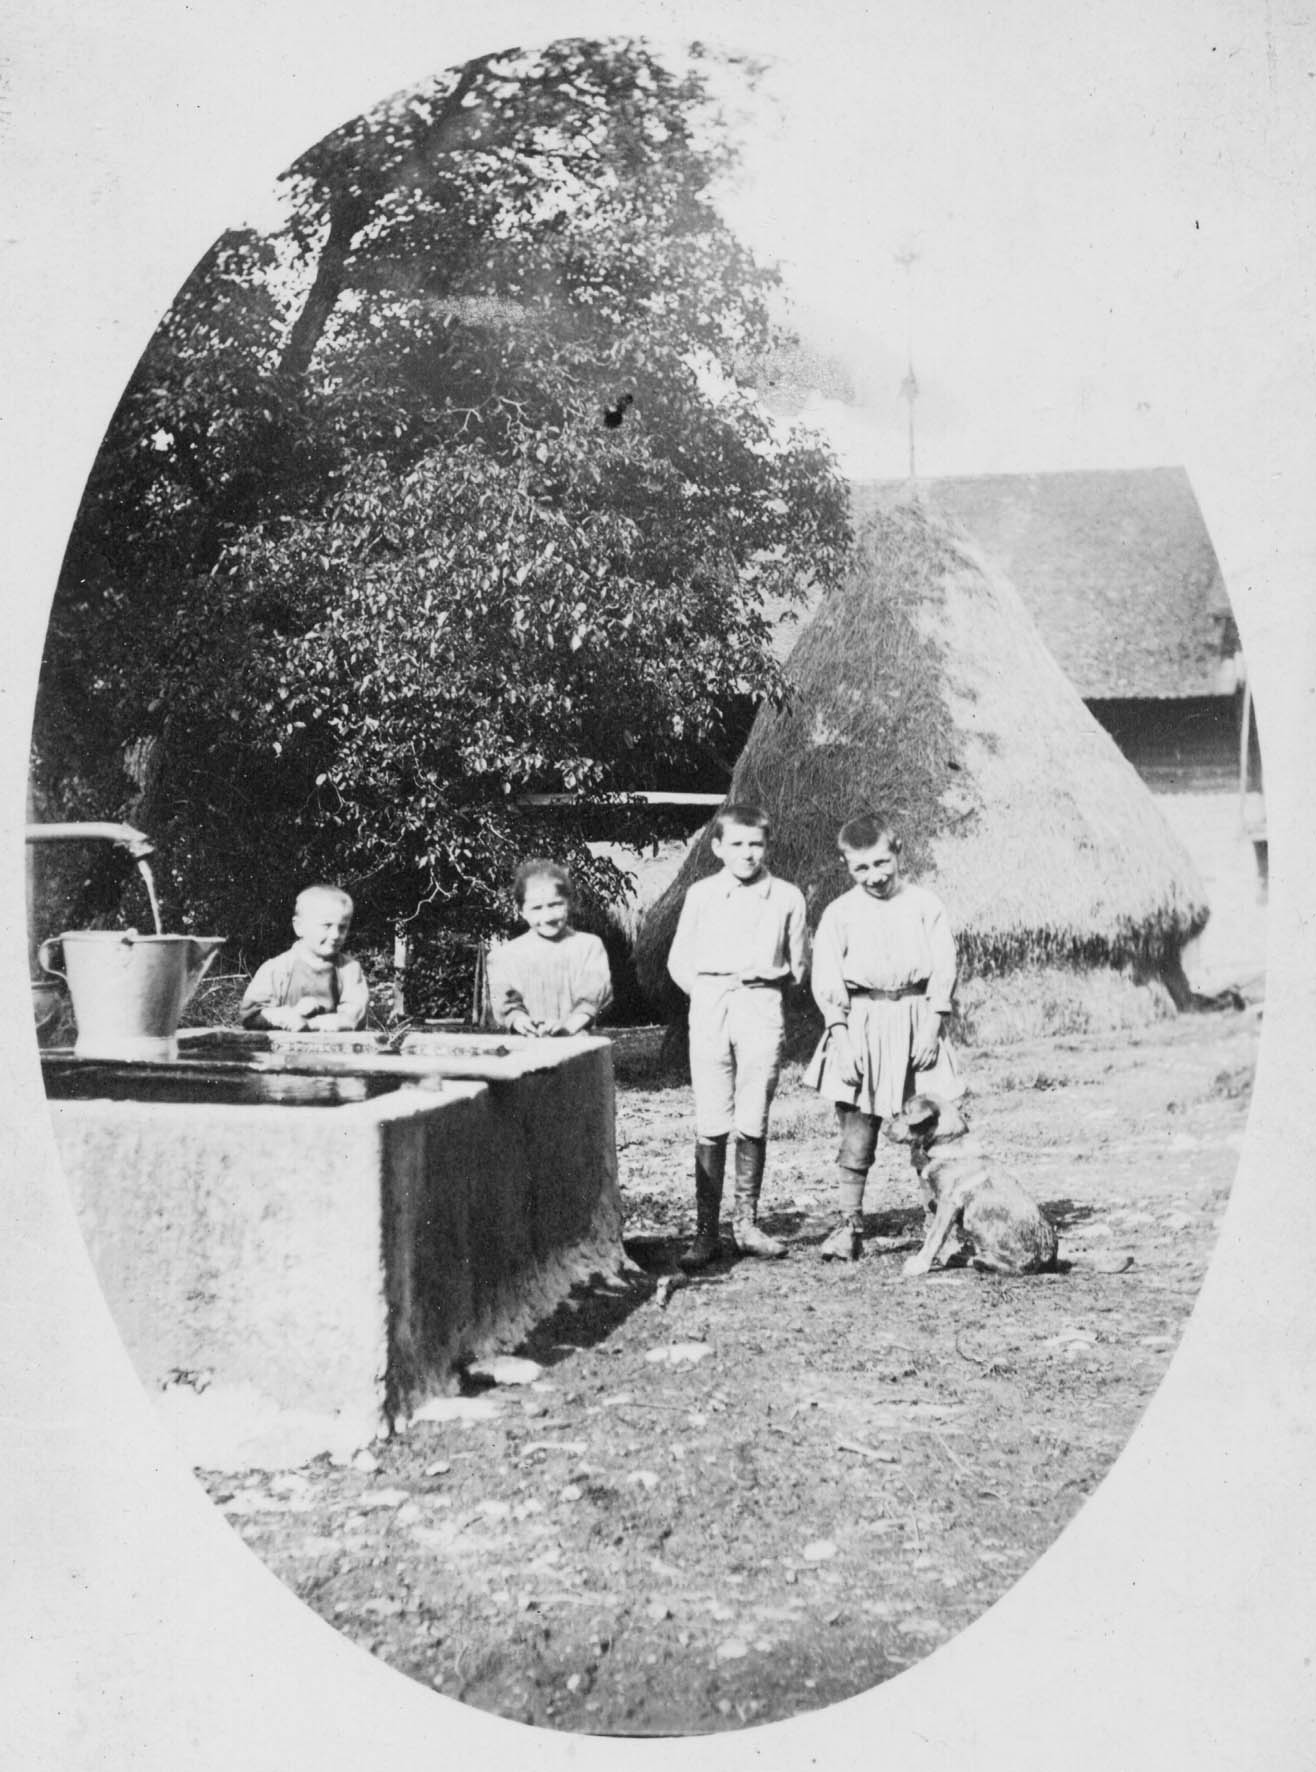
column 741, row 938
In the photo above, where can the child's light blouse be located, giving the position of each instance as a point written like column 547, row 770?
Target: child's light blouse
column 874, row 944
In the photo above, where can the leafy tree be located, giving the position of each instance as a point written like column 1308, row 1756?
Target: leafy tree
column 362, row 564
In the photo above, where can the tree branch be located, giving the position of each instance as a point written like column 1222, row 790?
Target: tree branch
column 349, row 211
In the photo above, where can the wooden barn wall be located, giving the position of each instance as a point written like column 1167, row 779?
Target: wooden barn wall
column 1188, row 746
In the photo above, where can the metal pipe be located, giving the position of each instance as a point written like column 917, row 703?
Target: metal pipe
column 135, row 842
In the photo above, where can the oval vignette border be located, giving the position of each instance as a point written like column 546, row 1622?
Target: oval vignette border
column 143, row 1633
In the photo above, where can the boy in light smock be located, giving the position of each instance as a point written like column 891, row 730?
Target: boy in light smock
column 884, row 971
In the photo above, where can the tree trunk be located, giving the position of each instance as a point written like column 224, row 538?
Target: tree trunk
column 347, row 215
column 349, row 211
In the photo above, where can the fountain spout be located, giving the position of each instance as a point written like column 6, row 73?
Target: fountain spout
column 135, row 842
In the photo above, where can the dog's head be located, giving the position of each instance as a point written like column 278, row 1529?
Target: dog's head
column 927, row 1122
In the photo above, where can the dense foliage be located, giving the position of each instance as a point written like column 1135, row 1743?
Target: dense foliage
column 376, row 545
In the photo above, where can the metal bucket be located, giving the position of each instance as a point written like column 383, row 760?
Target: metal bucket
column 129, row 990
column 47, row 1008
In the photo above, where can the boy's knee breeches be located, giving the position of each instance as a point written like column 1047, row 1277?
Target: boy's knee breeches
column 858, row 1132
column 737, row 1035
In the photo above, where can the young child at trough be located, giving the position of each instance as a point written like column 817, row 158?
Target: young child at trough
column 884, row 970
column 313, row 985
column 741, row 937
column 553, row 979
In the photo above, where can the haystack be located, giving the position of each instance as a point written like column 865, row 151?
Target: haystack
column 921, row 688
column 649, row 871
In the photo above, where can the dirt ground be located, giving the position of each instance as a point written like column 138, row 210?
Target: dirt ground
column 744, row 1497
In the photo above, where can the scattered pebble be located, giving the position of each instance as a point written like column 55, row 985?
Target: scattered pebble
column 644, row 1479
column 1116, row 1262
column 657, row 1610
column 432, row 1537
column 732, row 1650
column 364, row 1461
column 571, row 1492
column 679, row 1353
column 316, row 1544
column 820, row 1550
column 505, row 1369
column 382, row 1498
column 459, row 1409
column 252, row 1501
column 439, row 1468
column 382, row 1608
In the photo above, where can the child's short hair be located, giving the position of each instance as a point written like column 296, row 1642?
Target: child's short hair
column 540, row 868
column 743, row 813
column 322, row 889
column 866, row 831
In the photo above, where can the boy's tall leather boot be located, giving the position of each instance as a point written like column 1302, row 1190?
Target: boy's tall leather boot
column 710, row 1172
column 845, row 1243
column 750, row 1240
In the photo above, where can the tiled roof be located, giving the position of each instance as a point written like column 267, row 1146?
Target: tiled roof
column 1115, row 567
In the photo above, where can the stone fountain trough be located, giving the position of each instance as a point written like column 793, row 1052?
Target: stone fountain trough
column 331, row 1225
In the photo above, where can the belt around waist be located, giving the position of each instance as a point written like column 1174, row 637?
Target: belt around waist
column 746, row 984
column 906, row 990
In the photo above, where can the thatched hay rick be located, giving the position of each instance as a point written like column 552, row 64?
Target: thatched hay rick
column 922, row 688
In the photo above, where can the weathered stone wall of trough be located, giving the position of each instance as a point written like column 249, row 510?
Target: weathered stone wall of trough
column 493, row 1210
column 349, row 1258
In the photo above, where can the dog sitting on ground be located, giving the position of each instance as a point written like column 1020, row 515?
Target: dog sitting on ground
column 1004, row 1230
